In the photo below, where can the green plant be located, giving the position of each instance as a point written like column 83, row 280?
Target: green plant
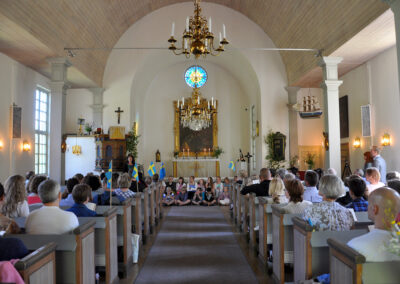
column 88, row 128
column 294, row 161
column 132, row 140
column 218, row 152
column 310, row 160
column 176, row 154
column 274, row 161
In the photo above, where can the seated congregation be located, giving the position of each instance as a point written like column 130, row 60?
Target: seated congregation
column 356, row 217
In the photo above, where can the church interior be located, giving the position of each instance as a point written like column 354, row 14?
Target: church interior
column 189, row 141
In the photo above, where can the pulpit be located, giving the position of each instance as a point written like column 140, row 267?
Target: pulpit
column 108, row 149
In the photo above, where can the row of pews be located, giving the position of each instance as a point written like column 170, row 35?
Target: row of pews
column 100, row 244
column 299, row 252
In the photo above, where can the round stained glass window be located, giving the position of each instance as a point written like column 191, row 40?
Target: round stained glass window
column 195, row 76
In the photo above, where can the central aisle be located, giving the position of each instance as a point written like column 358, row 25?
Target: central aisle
column 196, row 245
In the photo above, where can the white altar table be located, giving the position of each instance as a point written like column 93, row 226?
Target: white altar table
column 202, row 167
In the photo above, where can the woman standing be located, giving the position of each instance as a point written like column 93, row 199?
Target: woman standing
column 130, row 163
column 368, row 160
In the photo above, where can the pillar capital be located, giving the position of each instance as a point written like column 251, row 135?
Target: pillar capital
column 58, row 66
column 293, row 116
column 292, row 94
column 97, row 106
column 330, row 67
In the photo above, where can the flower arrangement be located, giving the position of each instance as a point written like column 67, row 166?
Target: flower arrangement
column 218, row 152
column 89, row 128
column 310, row 160
column 394, row 242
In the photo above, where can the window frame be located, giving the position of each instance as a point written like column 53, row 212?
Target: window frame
column 42, row 146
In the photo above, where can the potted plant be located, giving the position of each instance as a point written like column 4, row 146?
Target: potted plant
column 88, row 128
column 310, row 160
column 218, row 152
column 176, row 154
column 132, row 140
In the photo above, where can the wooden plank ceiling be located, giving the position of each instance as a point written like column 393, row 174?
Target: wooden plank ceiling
column 30, row 31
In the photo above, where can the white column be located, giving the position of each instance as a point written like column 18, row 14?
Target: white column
column 97, row 106
column 58, row 88
column 293, row 116
column 395, row 6
column 330, row 85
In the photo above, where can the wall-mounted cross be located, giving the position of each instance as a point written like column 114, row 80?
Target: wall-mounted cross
column 119, row 111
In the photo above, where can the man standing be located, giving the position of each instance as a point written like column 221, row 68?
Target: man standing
column 262, row 188
column 379, row 162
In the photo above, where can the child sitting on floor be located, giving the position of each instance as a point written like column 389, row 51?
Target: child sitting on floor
column 168, row 197
column 197, row 198
column 182, row 198
column 209, row 199
column 224, row 198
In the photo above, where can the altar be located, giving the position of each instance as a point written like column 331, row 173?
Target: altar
column 201, row 167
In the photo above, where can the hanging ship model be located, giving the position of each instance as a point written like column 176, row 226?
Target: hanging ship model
column 310, row 108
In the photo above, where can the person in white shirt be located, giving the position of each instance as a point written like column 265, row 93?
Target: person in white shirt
column 50, row 219
column 373, row 244
column 295, row 191
column 373, row 176
column 15, row 204
column 310, row 189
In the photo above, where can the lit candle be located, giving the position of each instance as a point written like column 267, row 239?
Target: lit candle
column 220, row 37
column 198, row 100
column 186, row 44
column 209, row 24
column 208, row 102
column 183, row 100
column 187, row 24
column 224, row 30
column 173, row 29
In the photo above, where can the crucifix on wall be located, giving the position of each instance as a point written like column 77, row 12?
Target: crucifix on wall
column 119, row 111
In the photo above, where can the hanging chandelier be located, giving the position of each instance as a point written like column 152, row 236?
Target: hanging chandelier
column 197, row 38
column 196, row 112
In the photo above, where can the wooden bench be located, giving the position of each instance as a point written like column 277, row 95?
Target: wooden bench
column 127, row 219
column 265, row 228
column 75, row 252
column 348, row 266
column 145, row 220
column 106, row 243
column 282, row 241
column 238, row 206
column 311, row 251
column 39, row 266
column 253, row 217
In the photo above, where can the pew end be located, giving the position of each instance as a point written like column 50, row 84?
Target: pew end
column 39, row 266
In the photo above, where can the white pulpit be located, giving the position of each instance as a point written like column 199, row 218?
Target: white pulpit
column 202, row 167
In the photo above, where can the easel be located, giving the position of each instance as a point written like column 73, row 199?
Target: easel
column 346, row 170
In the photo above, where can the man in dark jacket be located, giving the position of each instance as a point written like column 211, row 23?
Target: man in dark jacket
column 262, row 188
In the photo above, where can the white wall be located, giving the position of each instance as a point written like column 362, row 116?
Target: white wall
column 78, row 106
column 83, row 163
column 375, row 82
column 18, row 84
column 130, row 74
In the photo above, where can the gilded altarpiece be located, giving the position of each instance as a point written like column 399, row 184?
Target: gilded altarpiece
column 197, row 145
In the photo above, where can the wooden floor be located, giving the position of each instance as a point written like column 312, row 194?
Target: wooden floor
column 255, row 264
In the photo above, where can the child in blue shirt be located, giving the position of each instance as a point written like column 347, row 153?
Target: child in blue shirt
column 81, row 195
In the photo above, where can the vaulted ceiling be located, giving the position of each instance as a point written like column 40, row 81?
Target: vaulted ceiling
column 31, row 31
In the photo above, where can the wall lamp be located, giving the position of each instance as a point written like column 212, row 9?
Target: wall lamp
column 386, row 140
column 1, row 145
column 26, row 146
column 357, row 142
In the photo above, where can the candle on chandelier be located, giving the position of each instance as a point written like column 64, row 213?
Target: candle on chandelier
column 173, row 29
column 209, row 24
column 198, row 100
column 186, row 44
column 187, row 24
column 183, row 100
column 224, row 30
column 208, row 103
column 220, row 37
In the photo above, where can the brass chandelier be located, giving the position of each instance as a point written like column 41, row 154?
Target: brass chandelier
column 196, row 112
column 197, row 38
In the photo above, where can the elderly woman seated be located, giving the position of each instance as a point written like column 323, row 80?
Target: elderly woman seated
column 329, row 215
column 295, row 191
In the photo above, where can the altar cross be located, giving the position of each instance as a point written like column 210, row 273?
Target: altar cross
column 119, row 111
column 196, row 168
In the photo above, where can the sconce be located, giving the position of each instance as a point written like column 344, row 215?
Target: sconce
column 357, row 142
column 76, row 150
column 1, row 145
column 26, row 147
column 385, row 141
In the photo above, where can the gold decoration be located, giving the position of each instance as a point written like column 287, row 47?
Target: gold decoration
column 76, row 150
column 117, row 132
column 197, row 38
column 386, row 140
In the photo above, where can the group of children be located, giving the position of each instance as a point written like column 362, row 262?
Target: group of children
column 206, row 197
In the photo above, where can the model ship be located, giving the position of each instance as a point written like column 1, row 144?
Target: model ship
column 310, row 108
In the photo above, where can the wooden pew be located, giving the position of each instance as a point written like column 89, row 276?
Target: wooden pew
column 245, row 213
column 234, row 202
column 145, row 215
column 239, row 206
column 282, row 241
column 39, row 266
column 265, row 228
column 253, row 214
column 347, row 266
column 152, row 209
column 127, row 219
column 106, row 243
column 311, row 251
column 75, row 252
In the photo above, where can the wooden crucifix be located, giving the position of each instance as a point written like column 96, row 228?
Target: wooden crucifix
column 248, row 156
column 119, row 111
